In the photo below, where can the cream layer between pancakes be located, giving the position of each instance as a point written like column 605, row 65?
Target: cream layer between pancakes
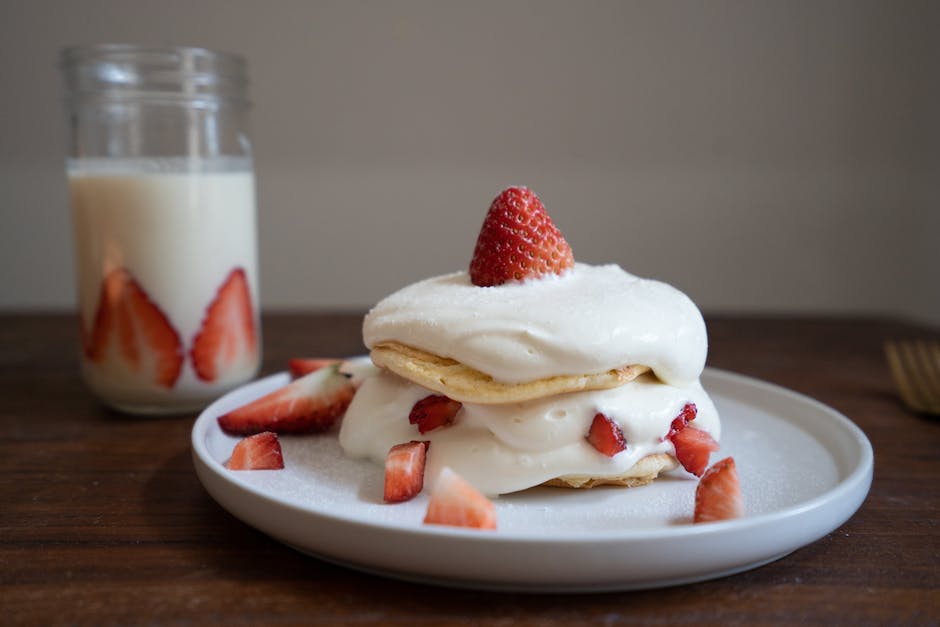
column 588, row 320
column 510, row 447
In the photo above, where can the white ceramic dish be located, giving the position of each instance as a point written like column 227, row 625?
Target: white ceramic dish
column 804, row 468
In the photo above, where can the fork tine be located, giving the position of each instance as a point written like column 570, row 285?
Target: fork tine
column 920, row 382
column 915, row 366
column 932, row 352
column 901, row 377
column 929, row 359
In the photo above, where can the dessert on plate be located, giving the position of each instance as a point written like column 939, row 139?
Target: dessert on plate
column 532, row 369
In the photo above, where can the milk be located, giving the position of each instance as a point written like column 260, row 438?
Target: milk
column 179, row 227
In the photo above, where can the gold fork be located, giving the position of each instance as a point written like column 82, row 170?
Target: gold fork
column 915, row 366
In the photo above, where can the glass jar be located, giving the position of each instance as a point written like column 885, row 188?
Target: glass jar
column 163, row 210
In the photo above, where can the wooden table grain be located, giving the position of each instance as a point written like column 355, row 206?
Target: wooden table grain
column 102, row 519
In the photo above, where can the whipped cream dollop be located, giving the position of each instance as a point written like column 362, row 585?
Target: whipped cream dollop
column 588, row 320
column 514, row 446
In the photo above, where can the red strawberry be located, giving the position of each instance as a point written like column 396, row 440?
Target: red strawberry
column 606, row 436
column 718, row 495
column 261, row 451
column 457, row 503
column 311, row 403
column 147, row 343
column 404, row 471
column 518, row 240
column 299, row 366
column 693, row 447
column 227, row 339
column 94, row 341
column 432, row 412
column 687, row 415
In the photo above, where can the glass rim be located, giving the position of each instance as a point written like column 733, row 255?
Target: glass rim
column 127, row 72
column 72, row 54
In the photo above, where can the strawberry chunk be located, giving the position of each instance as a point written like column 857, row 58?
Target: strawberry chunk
column 687, row 415
column 311, row 403
column 227, row 339
column 261, row 451
column 456, row 503
column 517, row 241
column 131, row 329
column 606, row 435
column 718, row 495
column 299, row 366
column 693, row 447
column 433, row 411
column 404, row 471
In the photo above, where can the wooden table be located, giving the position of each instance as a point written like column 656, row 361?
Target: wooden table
column 103, row 521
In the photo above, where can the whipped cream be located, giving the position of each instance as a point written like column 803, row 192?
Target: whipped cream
column 588, row 320
column 510, row 447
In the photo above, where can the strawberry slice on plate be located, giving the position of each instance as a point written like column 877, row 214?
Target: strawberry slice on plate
column 433, row 411
column 517, row 241
column 309, row 404
column 404, row 471
column 456, row 503
column 718, row 495
column 131, row 329
column 606, row 435
column 261, row 451
column 227, row 340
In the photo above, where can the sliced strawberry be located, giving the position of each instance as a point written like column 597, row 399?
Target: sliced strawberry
column 457, row 503
column 147, row 344
column 518, row 240
column 404, row 471
column 693, row 447
column 606, row 436
column 95, row 342
column 127, row 337
column 299, row 366
column 311, row 403
column 261, row 451
column 718, row 495
column 227, row 339
column 687, row 415
column 433, row 411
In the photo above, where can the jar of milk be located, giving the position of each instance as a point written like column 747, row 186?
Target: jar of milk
column 163, row 209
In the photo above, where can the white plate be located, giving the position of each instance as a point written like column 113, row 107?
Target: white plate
column 804, row 468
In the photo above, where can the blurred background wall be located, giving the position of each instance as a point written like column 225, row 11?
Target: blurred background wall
column 762, row 156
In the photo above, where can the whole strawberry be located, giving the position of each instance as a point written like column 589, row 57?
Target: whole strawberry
column 518, row 241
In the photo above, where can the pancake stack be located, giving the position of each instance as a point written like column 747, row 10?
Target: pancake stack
column 536, row 370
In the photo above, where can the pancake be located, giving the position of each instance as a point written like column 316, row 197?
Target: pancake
column 467, row 385
column 642, row 473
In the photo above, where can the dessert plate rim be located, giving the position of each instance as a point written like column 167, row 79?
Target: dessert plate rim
column 528, row 560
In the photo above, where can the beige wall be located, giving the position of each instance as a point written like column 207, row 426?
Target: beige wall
column 763, row 156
